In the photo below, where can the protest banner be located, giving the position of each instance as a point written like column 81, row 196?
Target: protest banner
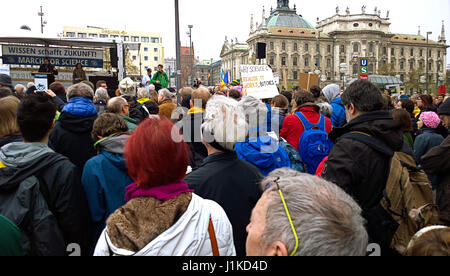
column 258, row 81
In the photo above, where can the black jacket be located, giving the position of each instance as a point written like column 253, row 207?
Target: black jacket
column 192, row 128
column 72, row 138
column 357, row 168
column 137, row 112
column 437, row 161
column 234, row 185
column 60, row 192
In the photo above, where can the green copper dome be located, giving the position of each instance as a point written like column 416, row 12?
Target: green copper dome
column 288, row 20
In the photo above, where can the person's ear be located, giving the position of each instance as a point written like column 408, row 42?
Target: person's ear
column 53, row 124
column 277, row 249
column 352, row 109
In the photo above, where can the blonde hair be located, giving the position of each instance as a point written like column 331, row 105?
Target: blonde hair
column 430, row 241
column 8, row 113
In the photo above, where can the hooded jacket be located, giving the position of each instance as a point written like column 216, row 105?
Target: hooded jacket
column 188, row 236
column 71, row 136
column 338, row 114
column 263, row 152
column 104, row 180
column 60, row 188
column 359, row 170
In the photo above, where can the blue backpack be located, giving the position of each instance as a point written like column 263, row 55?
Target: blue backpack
column 314, row 144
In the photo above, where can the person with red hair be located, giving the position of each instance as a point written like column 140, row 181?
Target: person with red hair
column 162, row 216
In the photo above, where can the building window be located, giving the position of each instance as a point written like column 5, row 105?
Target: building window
column 370, row 47
column 114, row 36
column 155, row 50
column 93, row 35
column 306, row 47
column 402, row 65
column 135, row 38
column 439, row 54
column 342, row 49
column 145, row 49
column 283, row 61
column 371, row 69
column 155, row 40
column 272, row 60
column 392, row 51
column 126, row 38
column 272, row 46
column 318, row 48
column 156, row 58
column 295, row 75
column 295, row 61
column 306, row 62
column 356, row 25
column 384, row 51
column 104, row 36
column 145, row 39
column 295, row 47
column 355, row 69
column 82, row 35
column 412, row 52
column 355, row 48
column 134, row 57
column 402, row 51
column 328, row 48
column 70, row 34
column 328, row 63
column 283, row 46
column 421, row 53
column 411, row 66
column 146, row 58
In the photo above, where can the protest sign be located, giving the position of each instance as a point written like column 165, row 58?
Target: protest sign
column 258, row 81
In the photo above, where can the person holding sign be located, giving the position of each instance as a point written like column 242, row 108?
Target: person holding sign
column 47, row 67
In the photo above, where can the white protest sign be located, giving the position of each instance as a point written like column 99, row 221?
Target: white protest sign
column 4, row 69
column 258, row 81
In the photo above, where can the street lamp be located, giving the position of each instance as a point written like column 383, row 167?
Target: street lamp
column 428, row 53
column 178, row 50
column 43, row 22
column 190, row 50
column 343, row 69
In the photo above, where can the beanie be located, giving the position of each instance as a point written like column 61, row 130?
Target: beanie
column 430, row 119
column 444, row 109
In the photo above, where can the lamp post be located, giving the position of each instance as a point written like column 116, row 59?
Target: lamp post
column 178, row 50
column 190, row 51
column 43, row 22
column 343, row 69
column 428, row 53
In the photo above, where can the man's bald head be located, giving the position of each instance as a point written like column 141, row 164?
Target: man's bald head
column 118, row 105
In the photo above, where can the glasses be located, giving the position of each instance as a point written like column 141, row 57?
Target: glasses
column 288, row 215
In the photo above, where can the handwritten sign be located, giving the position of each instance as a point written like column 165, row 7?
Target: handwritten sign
column 258, row 81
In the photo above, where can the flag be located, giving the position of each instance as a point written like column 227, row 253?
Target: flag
column 209, row 75
column 225, row 79
column 442, row 90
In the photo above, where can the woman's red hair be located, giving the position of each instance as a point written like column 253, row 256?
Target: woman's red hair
column 153, row 157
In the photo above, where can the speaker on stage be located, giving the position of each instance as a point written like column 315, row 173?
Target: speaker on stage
column 261, row 50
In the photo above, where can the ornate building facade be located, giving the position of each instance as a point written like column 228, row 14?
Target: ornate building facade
column 294, row 46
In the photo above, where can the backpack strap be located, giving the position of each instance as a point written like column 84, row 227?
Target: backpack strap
column 369, row 141
column 307, row 124
column 213, row 239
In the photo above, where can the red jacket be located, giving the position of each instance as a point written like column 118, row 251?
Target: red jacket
column 293, row 128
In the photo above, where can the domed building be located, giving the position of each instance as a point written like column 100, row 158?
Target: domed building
column 294, row 46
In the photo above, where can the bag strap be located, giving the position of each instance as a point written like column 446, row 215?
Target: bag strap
column 307, row 125
column 213, row 239
column 369, row 141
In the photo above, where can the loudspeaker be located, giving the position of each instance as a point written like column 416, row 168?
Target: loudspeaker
column 261, row 50
column 113, row 56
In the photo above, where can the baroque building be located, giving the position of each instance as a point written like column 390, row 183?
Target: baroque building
column 295, row 46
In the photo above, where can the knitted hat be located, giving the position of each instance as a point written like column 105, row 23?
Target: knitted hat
column 444, row 109
column 430, row 119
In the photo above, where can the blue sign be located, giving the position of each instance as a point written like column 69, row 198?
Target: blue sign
column 364, row 62
column 56, row 61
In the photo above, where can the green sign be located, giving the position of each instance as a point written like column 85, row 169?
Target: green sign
column 364, row 70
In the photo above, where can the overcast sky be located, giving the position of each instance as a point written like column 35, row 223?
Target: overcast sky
column 212, row 19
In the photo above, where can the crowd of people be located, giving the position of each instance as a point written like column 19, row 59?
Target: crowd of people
column 210, row 172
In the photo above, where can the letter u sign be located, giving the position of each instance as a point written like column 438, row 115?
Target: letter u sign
column 364, row 62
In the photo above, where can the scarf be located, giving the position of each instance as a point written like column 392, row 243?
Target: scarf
column 164, row 193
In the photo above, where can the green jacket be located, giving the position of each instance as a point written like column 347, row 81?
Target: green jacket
column 162, row 77
column 132, row 124
column 10, row 238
